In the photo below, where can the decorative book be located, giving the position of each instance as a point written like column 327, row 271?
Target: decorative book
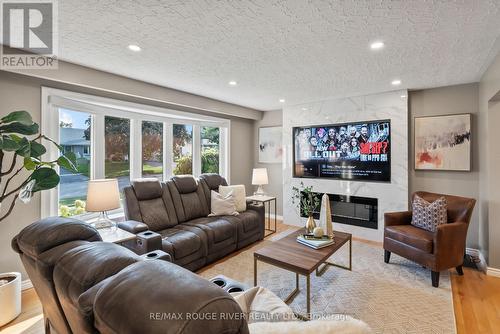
column 315, row 243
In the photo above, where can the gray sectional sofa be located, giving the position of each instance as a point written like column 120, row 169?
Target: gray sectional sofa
column 177, row 212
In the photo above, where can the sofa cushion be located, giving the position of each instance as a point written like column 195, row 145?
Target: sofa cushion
column 154, row 214
column 181, row 243
column 158, row 287
column 412, row 236
column 220, row 228
column 250, row 220
column 190, row 204
column 81, row 268
column 185, row 184
column 147, row 188
column 56, row 231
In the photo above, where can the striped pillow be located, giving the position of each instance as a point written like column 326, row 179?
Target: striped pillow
column 429, row 215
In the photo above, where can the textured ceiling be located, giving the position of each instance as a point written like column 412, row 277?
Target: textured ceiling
column 298, row 50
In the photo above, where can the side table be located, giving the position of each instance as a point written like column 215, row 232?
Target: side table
column 266, row 199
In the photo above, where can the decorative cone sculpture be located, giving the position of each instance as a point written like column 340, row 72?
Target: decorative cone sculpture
column 325, row 216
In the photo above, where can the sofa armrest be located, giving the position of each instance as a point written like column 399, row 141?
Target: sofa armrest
column 133, row 226
column 449, row 244
column 157, row 255
column 257, row 206
column 397, row 218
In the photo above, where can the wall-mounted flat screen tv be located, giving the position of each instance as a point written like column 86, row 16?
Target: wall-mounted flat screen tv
column 351, row 151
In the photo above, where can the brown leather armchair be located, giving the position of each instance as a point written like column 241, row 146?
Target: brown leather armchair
column 438, row 250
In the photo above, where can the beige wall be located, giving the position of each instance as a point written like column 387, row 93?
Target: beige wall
column 441, row 101
column 274, row 171
column 20, row 92
column 489, row 232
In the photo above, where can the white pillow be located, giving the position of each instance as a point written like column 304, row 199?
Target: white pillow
column 239, row 195
column 222, row 205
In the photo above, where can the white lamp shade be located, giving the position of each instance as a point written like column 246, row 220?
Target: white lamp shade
column 259, row 176
column 102, row 195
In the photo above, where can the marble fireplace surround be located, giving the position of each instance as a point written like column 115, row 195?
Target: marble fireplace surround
column 391, row 196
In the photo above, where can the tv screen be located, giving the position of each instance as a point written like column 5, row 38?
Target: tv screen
column 350, row 151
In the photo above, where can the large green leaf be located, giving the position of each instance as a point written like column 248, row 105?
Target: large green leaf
column 66, row 163
column 21, row 116
column 23, row 129
column 37, row 149
column 31, row 163
column 25, row 148
column 8, row 144
column 45, row 178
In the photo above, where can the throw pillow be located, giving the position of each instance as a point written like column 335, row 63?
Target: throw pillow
column 222, row 205
column 238, row 193
column 429, row 215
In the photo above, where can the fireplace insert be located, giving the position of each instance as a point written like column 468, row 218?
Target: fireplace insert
column 350, row 210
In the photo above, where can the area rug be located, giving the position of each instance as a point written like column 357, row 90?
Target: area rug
column 390, row 298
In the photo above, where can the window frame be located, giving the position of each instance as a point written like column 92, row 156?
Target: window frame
column 98, row 107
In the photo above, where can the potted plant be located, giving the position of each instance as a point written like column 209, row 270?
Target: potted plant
column 26, row 173
column 307, row 201
column 10, row 297
column 23, row 172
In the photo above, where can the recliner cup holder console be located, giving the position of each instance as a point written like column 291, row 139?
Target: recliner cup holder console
column 228, row 284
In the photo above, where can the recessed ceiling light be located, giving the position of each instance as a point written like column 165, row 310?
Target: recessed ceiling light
column 282, row 100
column 135, row 48
column 232, row 83
column 304, row 109
column 396, row 82
column 377, row 45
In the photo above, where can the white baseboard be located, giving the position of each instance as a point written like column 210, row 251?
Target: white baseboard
column 26, row 284
column 493, row 272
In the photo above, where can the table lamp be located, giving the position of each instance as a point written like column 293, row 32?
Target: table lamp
column 103, row 195
column 259, row 177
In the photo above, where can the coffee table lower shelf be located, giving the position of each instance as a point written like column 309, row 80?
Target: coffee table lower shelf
column 281, row 262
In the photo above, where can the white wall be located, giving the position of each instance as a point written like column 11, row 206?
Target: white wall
column 274, row 171
column 391, row 196
column 489, row 229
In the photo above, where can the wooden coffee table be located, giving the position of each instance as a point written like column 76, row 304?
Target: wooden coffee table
column 290, row 255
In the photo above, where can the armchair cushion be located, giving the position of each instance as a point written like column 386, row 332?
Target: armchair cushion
column 412, row 236
column 397, row 218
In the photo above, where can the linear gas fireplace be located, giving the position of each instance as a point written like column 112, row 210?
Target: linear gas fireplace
column 351, row 210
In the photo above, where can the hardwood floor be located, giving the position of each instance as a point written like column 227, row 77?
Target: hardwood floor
column 476, row 300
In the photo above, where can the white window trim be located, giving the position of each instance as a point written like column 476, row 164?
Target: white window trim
column 52, row 99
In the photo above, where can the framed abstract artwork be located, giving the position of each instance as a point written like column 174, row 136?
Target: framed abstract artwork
column 270, row 144
column 443, row 142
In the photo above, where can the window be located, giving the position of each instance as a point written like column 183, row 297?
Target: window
column 117, row 150
column 74, row 136
column 182, row 149
column 210, row 149
column 124, row 140
column 152, row 149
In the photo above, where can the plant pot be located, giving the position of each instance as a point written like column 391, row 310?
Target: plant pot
column 10, row 297
column 310, row 225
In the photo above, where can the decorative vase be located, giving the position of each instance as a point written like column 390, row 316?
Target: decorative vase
column 310, row 225
column 325, row 216
column 10, row 297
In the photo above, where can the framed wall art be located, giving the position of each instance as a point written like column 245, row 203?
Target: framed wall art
column 443, row 142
